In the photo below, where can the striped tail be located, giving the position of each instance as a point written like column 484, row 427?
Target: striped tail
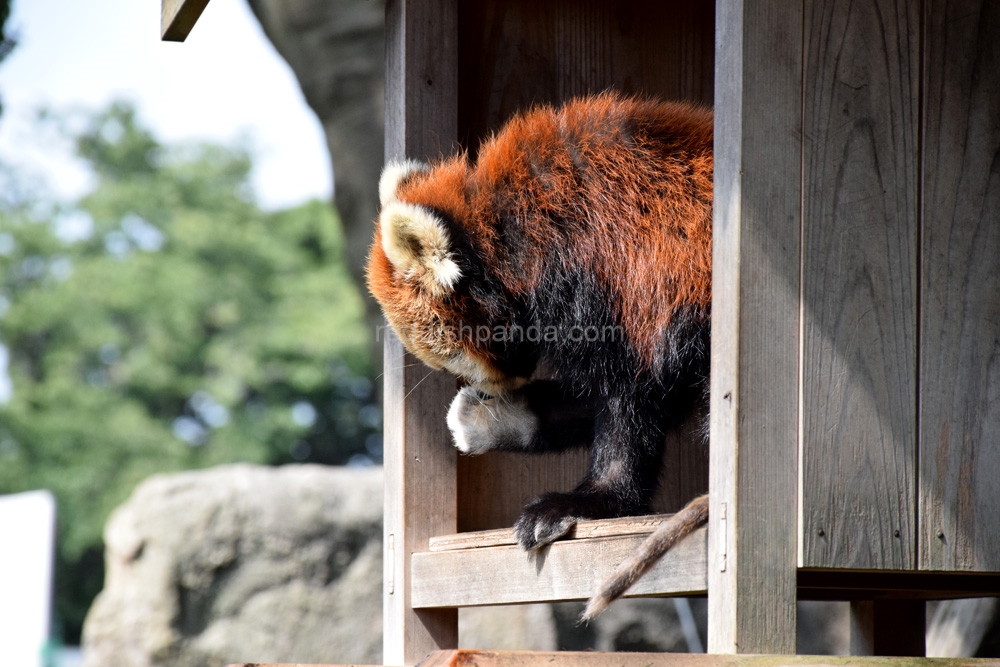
column 670, row 532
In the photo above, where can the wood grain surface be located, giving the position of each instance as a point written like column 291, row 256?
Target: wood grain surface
column 960, row 299
column 859, row 283
column 754, row 418
column 420, row 492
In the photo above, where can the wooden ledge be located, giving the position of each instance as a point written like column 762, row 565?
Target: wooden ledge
column 630, row 525
column 488, row 568
column 467, row 658
column 464, row 658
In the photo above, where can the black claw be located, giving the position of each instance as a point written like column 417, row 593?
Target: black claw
column 524, row 531
column 544, row 521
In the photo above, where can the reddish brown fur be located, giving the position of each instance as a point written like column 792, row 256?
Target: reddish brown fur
column 418, row 317
column 597, row 212
column 653, row 265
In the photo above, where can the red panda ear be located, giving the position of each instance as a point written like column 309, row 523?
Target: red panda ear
column 393, row 175
column 417, row 244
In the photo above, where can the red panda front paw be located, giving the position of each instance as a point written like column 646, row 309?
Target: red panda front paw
column 479, row 421
column 553, row 515
column 544, row 521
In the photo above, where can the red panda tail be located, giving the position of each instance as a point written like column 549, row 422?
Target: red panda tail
column 670, row 532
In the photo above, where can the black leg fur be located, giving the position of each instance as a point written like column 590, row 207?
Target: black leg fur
column 621, row 478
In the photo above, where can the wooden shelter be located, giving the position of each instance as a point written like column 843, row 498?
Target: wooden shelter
column 855, row 408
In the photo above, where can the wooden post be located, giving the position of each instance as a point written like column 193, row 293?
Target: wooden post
column 755, row 314
column 420, row 501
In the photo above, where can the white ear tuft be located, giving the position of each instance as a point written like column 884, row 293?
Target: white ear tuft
column 393, row 174
column 416, row 242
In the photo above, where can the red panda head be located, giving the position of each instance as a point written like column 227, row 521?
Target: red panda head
column 414, row 270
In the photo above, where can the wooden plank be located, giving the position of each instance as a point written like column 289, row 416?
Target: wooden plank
column 888, row 627
column 419, row 463
column 475, row 658
column 755, row 283
column 468, row 658
column 516, row 53
column 904, row 584
column 960, row 308
column 566, row 570
column 631, row 525
column 859, row 285
column 177, row 18
column 494, row 487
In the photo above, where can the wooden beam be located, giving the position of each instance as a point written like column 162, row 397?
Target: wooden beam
column 177, row 18
column 586, row 529
column 467, row 658
column 470, row 658
column 566, row 570
column 420, row 494
column 879, row 584
column 755, row 314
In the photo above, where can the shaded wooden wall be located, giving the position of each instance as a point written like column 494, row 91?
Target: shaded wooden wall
column 900, row 288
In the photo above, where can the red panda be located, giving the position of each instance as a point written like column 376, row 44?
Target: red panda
column 565, row 274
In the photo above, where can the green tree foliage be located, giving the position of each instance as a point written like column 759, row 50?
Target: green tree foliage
column 165, row 322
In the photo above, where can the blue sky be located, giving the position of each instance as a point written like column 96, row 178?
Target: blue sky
column 224, row 83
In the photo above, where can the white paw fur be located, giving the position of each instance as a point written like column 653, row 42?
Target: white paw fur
column 479, row 422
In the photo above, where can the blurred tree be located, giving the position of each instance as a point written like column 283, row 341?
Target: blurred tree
column 7, row 42
column 165, row 322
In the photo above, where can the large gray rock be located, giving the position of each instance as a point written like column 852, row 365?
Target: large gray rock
column 242, row 563
column 251, row 564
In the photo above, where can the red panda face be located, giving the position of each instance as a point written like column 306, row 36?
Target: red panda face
column 413, row 272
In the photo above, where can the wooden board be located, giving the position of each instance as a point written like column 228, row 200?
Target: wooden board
column 521, row 52
column 899, row 585
column 754, row 419
column 566, row 570
column 470, row 658
column 177, row 18
column 859, row 284
column 495, row 486
column 467, row 658
column 960, row 302
column 419, row 466
column 632, row 525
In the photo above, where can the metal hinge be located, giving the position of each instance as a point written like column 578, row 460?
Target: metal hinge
column 723, row 537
